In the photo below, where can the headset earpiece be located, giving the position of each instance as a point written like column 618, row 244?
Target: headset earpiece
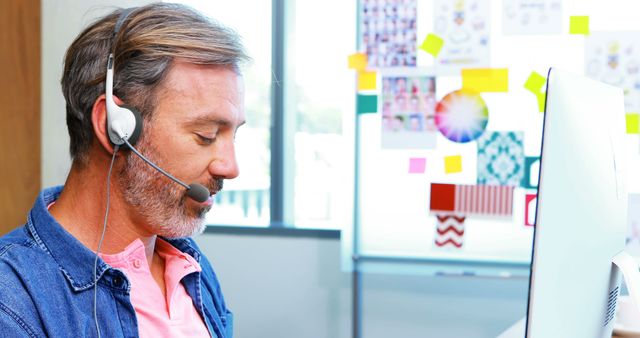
column 128, row 120
column 137, row 130
column 123, row 122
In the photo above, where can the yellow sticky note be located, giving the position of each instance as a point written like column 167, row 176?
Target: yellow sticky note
column 542, row 97
column 535, row 82
column 633, row 126
column 432, row 44
column 358, row 61
column 579, row 25
column 541, row 101
column 486, row 79
column 366, row 80
column 452, row 164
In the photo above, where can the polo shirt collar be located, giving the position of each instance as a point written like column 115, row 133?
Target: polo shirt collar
column 75, row 260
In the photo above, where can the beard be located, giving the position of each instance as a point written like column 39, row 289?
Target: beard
column 160, row 201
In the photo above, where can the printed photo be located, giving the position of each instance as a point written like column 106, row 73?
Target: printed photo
column 389, row 32
column 408, row 112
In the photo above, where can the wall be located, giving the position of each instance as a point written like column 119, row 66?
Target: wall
column 293, row 287
column 19, row 110
column 62, row 21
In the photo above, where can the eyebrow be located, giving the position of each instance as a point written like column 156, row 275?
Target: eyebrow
column 207, row 120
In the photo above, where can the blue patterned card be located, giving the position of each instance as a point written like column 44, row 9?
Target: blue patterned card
column 501, row 158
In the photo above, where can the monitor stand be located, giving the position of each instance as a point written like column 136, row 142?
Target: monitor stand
column 631, row 274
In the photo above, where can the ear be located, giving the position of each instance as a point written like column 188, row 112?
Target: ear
column 99, row 121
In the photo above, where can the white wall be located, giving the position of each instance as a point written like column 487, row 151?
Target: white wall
column 283, row 287
column 62, row 21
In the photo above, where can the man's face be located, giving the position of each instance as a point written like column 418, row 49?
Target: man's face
column 191, row 135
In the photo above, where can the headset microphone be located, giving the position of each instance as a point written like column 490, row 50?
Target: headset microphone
column 195, row 191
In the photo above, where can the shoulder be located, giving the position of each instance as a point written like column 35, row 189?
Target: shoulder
column 18, row 257
column 17, row 237
column 26, row 267
column 17, row 253
column 23, row 264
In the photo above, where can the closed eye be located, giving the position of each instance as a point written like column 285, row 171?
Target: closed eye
column 205, row 140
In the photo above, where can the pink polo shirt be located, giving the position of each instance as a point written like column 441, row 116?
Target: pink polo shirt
column 173, row 316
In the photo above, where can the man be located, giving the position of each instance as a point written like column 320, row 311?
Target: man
column 181, row 71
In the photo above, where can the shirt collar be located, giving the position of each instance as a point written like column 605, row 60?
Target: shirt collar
column 55, row 240
column 186, row 245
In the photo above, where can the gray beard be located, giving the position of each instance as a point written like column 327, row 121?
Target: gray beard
column 159, row 201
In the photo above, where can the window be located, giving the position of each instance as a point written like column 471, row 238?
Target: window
column 298, row 88
column 320, row 35
column 245, row 200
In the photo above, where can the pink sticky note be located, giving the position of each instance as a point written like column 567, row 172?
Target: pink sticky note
column 417, row 165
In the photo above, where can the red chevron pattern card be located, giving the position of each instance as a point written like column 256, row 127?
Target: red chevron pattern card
column 450, row 231
column 486, row 200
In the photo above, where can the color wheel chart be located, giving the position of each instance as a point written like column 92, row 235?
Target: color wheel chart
column 462, row 116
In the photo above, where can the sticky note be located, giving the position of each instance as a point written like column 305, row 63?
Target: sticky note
column 452, row 164
column 366, row 80
column 358, row 61
column 417, row 165
column 432, row 44
column 486, row 79
column 367, row 104
column 535, row 82
column 542, row 97
column 632, row 123
column 579, row 25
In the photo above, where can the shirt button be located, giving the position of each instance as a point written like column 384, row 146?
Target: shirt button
column 137, row 263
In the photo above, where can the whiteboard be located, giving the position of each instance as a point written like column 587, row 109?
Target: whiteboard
column 393, row 215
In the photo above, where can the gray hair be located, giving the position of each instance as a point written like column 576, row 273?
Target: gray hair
column 150, row 39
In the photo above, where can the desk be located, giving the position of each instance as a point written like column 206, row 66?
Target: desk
column 517, row 331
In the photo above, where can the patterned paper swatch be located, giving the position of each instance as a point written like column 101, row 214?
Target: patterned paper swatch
column 485, row 200
column 450, row 231
column 501, row 158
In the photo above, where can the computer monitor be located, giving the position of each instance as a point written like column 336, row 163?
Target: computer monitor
column 581, row 211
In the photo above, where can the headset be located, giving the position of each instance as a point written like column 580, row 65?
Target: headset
column 124, row 127
column 124, row 123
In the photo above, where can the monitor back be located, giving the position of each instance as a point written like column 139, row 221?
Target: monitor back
column 581, row 214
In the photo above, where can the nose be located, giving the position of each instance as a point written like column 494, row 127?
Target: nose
column 224, row 164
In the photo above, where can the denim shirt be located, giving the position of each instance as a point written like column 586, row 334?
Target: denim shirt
column 46, row 284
